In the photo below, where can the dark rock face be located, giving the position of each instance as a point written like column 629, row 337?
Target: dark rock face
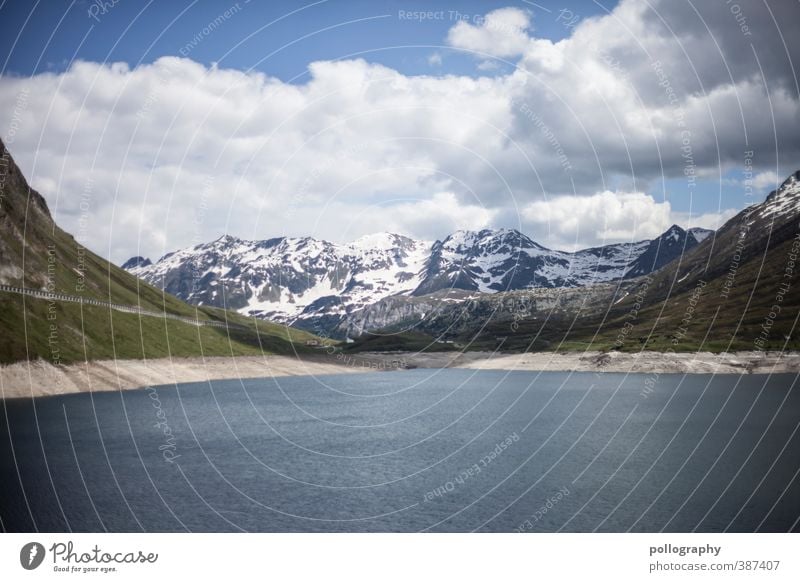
column 665, row 249
column 26, row 228
column 136, row 262
column 18, row 197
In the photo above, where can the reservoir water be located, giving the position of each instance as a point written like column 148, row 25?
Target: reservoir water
column 417, row 450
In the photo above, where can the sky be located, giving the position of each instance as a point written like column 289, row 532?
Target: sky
column 152, row 126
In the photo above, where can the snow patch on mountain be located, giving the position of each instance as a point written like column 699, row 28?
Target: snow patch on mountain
column 291, row 279
column 785, row 200
column 700, row 234
column 280, row 278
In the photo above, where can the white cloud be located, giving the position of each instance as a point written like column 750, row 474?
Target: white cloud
column 709, row 220
column 488, row 65
column 501, row 33
column 425, row 218
column 174, row 152
column 624, row 91
column 435, row 59
column 768, row 180
column 282, row 159
column 572, row 221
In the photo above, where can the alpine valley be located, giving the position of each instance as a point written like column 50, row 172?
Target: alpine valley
column 393, row 292
column 331, row 288
column 327, row 287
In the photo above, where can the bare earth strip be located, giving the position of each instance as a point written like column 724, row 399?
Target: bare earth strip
column 641, row 362
column 39, row 378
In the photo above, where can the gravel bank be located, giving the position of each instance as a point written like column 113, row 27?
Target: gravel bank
column 641, row 362
column 39, row 378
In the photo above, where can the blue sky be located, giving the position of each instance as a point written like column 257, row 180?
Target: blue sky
column 467, row 136
column 137, row 32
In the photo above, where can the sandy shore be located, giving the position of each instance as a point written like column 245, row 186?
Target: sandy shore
column 642, row 362
column 39, row 378
column 25, row 379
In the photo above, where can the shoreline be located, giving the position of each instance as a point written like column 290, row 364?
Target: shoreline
column 616, row 362
column 39, row 378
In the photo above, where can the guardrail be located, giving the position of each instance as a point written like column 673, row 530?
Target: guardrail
column 41, row 294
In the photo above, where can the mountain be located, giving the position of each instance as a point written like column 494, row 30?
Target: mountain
column 675, row 242
column 37, row 255
column 317, row 284
column 135, row 262
column 283, row 278
column 736, row 290
column 756, row 233
column 490, row 261
column 700, row 234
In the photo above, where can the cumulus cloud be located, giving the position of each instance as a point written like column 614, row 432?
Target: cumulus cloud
column 768, row 180
column 173, row 148
column 709, row 220
column 175, row 152
column 642, row 94
column 426, row 218
column 501, row 33
column 435, row 59
column 572, row 221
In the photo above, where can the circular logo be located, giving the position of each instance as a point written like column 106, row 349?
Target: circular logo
column 31, row 555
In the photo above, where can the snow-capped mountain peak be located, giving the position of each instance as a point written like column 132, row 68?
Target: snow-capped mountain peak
column 382, row 241
column 785, row 200
column 674, row 233
column 303, row 279
column 280, row 278
column 700, row 234
column 666, row 248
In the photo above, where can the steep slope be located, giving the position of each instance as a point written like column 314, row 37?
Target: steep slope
column 36, row 254
column 753, row 234
column 748, row 276
column 674, row 243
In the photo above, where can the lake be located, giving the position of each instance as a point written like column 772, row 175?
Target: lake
column 416, row 450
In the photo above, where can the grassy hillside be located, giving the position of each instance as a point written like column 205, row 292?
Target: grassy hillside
column 406, row 341
column 36, row 253
column 68, row 332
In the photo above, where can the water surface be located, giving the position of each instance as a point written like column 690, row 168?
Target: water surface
column 433, row 450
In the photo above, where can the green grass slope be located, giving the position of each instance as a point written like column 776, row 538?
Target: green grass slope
column 36, row 253
column 70, row 332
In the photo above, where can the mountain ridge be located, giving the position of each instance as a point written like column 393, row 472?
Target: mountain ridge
column 298, row 280
column 734, row 290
